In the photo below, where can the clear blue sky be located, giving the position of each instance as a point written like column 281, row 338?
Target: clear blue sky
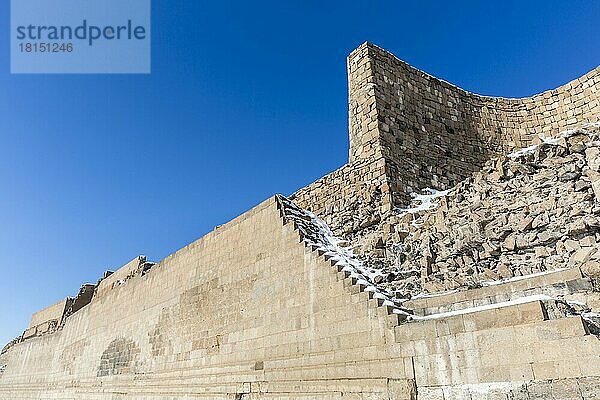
column 245, row 99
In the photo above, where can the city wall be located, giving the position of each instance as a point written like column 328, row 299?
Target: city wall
column 54, row 312
column 251, row 312
column 245, row 312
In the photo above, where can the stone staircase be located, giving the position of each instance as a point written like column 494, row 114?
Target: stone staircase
column 515, row 339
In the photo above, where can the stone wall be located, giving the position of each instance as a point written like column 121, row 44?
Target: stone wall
column 43, row 322
column 51, row 318
column 120, row 276
column 409, row 130
column 252, row 312
column 246, row 312
column 346, row 199
column 434, row 134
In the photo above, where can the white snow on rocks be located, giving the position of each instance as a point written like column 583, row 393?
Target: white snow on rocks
column 472, row 390
column 520, row 278
column 593, row 321
column 521, row 300
column 431, row 295
column 552, row 141
column 424, row 202
column 524, row 151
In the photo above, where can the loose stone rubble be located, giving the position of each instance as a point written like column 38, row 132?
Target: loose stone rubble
column 532, row 211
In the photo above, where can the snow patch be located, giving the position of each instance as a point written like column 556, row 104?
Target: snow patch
column 592, row 319
column 591, row 315
column 466, row 390
column 522, row 300
column 524, row 151
column 425, row 201
column 429, row 295
column 553, row 140
column 520, row 278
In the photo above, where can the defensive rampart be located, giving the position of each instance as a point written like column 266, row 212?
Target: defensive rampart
column 245, row 312
column 260, row 308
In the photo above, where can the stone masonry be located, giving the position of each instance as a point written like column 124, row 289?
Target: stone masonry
column 415, row 131
column 361, row 286
column 410, row 131
column 533, row 211
column 433, row 134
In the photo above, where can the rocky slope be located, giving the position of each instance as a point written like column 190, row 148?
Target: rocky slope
column 534, row 210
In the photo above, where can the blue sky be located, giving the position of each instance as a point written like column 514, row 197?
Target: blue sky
column 245, row 99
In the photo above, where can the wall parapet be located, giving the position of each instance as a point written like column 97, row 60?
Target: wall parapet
column 54, row 312
column 138, row 266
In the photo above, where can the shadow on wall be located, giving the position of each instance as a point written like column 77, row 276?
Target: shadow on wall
column 433, row 134
column 409, row 131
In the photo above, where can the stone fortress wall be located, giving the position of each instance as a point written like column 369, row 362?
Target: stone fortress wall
column 255, row 311
column 417, row 131
column 47, row 320
column 434, row 134
column 247, row 312
column 252, row 311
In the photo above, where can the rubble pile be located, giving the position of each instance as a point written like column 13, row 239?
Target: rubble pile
column 534, row 210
